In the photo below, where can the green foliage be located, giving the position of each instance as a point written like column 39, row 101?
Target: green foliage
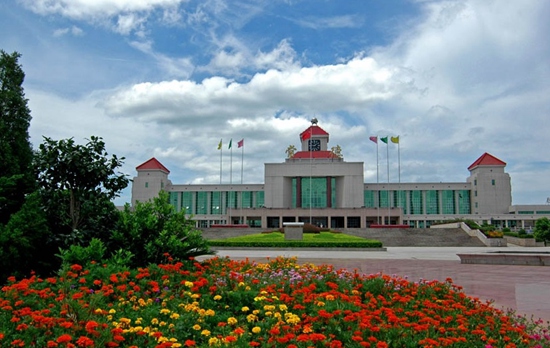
column 16, row 178
column 151, row 229
column 95, row 252
column 77, row 183
column 22, row 241
column 542, row 229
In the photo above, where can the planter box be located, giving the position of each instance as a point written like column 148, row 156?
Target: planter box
column 524, row 242
column 294, row 230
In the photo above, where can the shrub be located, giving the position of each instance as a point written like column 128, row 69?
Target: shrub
column 151, row 229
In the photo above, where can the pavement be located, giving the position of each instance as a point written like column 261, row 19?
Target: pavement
column 524, row 289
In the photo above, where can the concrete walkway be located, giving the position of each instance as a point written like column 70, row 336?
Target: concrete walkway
column 525, row 289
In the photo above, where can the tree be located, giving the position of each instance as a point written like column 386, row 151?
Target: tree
column 151, row 229
column 77, row 183
column 542, row 229
column 16, row 179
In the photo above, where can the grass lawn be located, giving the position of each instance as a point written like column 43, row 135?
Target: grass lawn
column 277, row 239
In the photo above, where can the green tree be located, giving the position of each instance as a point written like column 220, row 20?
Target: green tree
column 151, row 229
column 23, row 240
column 77, row 183
column 16, row 179
column 542, row 229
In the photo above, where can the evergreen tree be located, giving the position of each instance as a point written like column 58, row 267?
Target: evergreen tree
column 16, row 178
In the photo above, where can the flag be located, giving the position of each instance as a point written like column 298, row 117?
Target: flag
column 395, row 140
column 306, row 135
column 384, row 139
column 240, row 143
column 220, row 145
column 374, row 139
column 230, row 141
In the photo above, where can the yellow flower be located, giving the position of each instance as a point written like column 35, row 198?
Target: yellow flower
column 329, row 297
column 164, row 311
column 112, row 311
column 174, row 316
column 205, row 333
column 217, row 298
column 256, row 329
column 232, row 320
column 210, row 312
column 99, row 311
column 245, row 309
column 213, row 341
column 283, row 307
column 154, row 321
column 241, row 284
column 251, row 318
column 189, row 284
column 196, row 327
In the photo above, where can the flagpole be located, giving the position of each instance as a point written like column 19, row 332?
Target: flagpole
column 220, row 209
column 241, row 143
column 388, row 190
column 230, row 179
column 377, row 182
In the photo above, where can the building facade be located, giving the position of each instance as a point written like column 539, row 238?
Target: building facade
column 316, row 185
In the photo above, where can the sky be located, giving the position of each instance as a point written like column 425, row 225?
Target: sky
column 170, row 78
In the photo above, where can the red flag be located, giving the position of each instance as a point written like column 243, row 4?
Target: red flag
column 374, row 139
column 240, row 143
column 306, row 135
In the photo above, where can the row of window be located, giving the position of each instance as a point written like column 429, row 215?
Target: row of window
column 215, row 202
column 421, row 202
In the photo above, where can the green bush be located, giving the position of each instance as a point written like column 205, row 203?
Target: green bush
column 152, row 230
column 296, row 244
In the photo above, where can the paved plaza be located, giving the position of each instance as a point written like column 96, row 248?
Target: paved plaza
column 525, row 289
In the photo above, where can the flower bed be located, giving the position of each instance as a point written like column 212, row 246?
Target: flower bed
column 225, row 303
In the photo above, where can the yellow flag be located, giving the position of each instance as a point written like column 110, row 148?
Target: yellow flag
column 220, row 145
column 395, row 140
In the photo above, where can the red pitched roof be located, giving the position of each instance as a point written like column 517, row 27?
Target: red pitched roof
column 315, row 130
column 153, row 164
column 487, row 160
column 314, row 154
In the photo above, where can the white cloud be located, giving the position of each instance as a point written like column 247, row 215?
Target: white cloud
column 350, row 86
column 125, row 16
column 74, row 30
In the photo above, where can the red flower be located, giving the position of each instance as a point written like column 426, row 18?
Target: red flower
column 84, row 341
column 64, row 338
column 189, row 343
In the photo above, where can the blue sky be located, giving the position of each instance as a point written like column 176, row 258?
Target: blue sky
column 170, row 78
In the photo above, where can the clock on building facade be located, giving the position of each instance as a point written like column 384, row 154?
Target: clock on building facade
column 314, row 145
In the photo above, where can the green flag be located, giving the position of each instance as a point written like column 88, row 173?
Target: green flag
column 384, row 139
column 230, row 141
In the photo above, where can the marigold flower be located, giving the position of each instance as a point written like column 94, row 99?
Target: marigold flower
column 64, row 338
column 256, row 329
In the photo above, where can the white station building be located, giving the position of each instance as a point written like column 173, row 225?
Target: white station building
column 316, row 185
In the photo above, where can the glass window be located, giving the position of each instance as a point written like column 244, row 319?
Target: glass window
column 448, row 201
column 259, row 199
column 464, row 202
column 246, row 198
column 201, row 203
column 215, row 202
column 416, row 202
column 432, row 202
column 493, row 182
column 187, row 202
column 174, row 199
column 232, row 199
column 146, row 184
column 368, row 199
column 400, row 200
column 383, row 198
column 314, row 192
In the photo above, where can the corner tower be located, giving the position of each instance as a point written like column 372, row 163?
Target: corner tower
column 491, row 186
column 152, row 177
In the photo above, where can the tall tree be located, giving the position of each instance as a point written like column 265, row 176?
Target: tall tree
column 77, row 184
column 16, row 179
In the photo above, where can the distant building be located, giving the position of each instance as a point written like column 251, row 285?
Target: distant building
column 316, row 185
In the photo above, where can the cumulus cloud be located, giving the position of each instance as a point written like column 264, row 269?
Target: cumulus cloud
column 350, row 86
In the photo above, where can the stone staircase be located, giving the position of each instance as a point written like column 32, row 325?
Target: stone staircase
column 421, row 237
column 390, row 237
